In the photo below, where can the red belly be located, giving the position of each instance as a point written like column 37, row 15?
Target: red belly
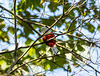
column 50, row 43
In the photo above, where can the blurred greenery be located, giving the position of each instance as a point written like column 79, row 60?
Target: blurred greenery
column 30, row 10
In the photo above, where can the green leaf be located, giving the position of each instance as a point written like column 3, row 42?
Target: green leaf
column 11, row 29
column 48, row 21
column 28, row 41
column 60, row 60
column 23, row 1
column 99, row 28
column 81, row 42
column 1, row 62
column 31, row 51
column 42, row 1
column 72, row 27
column 75, row 64
column 71, row 38
column 27, row 30
column 1, row 33
column 47, row 67
column 4, row 37
column 90, row 27
column 74, row 58
column 2, row 25
column 77, row 34
column 1, row 20
column 67, row 24
column 55, row 1
column 53, row 7
column 32, row 4
column 71, row 45
column 80, row 48
column 4, row 65
column 18, row 36
column 69, row 69
column 25, row 68
column 52, row 66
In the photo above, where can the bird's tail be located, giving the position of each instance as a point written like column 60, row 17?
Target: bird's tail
column 54, row 50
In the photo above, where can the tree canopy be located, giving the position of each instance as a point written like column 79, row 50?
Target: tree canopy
column 75, row 23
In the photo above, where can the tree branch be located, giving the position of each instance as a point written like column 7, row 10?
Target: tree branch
column 16, row 44
column 78, row 57
column 19, row 17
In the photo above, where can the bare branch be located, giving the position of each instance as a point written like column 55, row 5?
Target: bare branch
column 16, row 44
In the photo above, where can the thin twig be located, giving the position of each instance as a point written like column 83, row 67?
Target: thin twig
column 19, row 17
column 63, row 6
column 39, row 38
column 78, row 57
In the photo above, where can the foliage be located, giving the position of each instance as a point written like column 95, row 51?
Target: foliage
column 29, row 18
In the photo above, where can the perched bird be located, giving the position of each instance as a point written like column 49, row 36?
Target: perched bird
column 52, row 42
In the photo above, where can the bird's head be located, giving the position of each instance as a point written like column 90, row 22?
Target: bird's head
column 44, row 29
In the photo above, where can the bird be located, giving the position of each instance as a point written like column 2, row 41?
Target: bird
column 51, row 43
